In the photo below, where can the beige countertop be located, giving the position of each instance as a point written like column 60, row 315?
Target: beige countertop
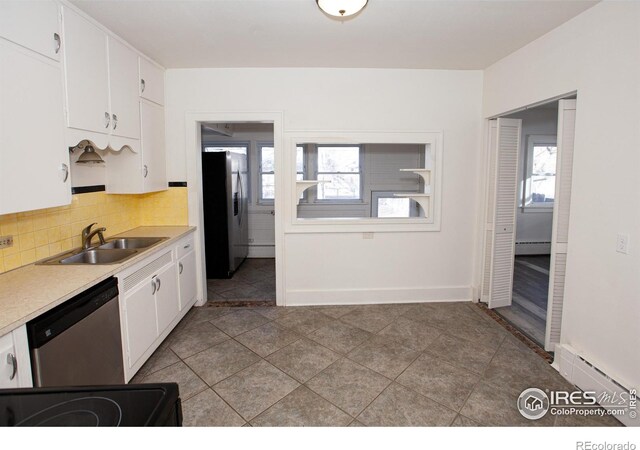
column 29, row 291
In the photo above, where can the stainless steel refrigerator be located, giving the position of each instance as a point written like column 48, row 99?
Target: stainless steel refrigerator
column 225, row 200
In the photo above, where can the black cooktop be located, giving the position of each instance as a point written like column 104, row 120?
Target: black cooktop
column 93, row 406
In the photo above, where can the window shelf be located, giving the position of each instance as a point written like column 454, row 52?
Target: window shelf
column 421, row 198
column 424, row 173
column 303, row 185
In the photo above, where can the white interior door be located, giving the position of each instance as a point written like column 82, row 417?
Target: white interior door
column 560, row 230
column 500, row 230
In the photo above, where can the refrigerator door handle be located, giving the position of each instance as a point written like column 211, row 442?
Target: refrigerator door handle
column 241, row 198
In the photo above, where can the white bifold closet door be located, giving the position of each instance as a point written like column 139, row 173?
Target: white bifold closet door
column 500, row 227
column 560, row 230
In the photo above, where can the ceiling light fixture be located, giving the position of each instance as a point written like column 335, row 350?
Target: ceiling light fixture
column 341, row 8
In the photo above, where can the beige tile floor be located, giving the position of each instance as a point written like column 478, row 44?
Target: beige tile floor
column 436, row 364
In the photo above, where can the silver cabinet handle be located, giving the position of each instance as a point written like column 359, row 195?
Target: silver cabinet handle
column 145, row 171
column 181, row 267
column 12, row 361
column 159, row 284
column 58, row 42
column 65, row 171
column 143, row 85
column 107, row 120
column 115, row 121
column 154, row 286
column 187, row 246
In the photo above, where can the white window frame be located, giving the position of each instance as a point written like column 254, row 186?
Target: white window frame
column 259, row 147
column 312, row 158
column 376, row 195
column 260, row 199
column 433, row 139
column 534, row 140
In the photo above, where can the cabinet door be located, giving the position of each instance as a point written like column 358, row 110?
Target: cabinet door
column 154, row 166
column 167, row 303
column 140, row 320
column 32, row 24
column 8, row 363
column 151, row 81
column 123, row 87
column 187, row 283
column 86, row 74
column 34, row 158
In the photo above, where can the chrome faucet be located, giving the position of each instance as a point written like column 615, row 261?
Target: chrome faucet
column 87, row 235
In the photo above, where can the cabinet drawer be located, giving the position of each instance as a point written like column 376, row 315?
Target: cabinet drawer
column 185, row 246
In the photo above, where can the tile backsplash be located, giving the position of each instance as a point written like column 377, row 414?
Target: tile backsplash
column 46, row 232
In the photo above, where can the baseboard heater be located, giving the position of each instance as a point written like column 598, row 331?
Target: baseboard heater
column 588, row 377
column 533, row 248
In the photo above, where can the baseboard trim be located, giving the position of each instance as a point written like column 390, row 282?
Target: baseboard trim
column 373, row 296
column 262, row 251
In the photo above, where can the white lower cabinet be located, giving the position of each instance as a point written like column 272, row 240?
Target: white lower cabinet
column 166, row 295
column 152, row 301
column 139, row 320
column 15, row 363
column 187, row 279
column 187, row 283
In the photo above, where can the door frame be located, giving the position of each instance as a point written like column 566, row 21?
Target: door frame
column 194, row 187
column 484, row 168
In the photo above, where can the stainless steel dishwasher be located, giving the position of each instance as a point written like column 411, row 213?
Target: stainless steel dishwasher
column 78, row 343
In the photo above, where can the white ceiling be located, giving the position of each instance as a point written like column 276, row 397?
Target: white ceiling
column 421, row 34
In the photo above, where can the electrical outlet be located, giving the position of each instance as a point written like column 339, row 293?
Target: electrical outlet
column 622, row 243
column 6, row 241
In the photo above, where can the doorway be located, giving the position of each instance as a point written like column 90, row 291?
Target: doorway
column 238, row 197
column 528, row 201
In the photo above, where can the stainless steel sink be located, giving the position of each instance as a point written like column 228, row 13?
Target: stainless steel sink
column 131, row 242
column 99, row 256
column 114, row 251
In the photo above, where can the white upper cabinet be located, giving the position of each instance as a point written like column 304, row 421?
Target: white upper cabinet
column 123, row 84
column 86, row 74
column 34, row 158
column 151, row 81
column 136, row 172
column 101, row 77
column 153, row 150
column 32, row 24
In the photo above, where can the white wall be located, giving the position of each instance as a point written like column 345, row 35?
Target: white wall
column 597, row 54
column 344, row 267
column 533, row 226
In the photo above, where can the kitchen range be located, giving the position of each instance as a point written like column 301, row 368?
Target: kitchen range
column 81, row 341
